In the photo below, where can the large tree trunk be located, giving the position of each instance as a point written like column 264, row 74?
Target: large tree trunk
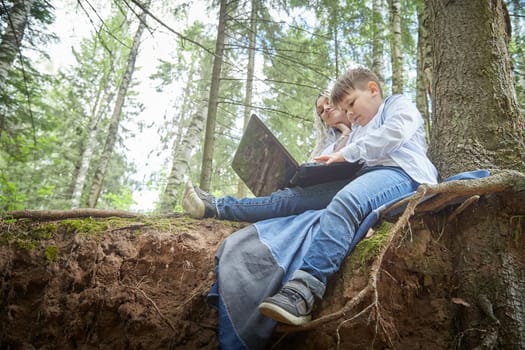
column 111, row 138
column 396, row 46
column 476, row 124
column 13, row 35
column 211, row 119
column 475, row 113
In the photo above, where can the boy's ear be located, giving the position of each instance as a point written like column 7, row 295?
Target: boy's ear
column 372, row 87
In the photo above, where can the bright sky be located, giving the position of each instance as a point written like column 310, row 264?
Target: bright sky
column 143, row 150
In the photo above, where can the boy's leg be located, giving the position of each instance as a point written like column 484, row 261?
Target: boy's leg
column 333, row 237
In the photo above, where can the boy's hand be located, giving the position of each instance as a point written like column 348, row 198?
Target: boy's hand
column 336, row 157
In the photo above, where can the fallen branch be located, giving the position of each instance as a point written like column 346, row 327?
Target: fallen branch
column 67, row 214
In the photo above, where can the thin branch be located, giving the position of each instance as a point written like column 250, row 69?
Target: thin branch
column 66, row 214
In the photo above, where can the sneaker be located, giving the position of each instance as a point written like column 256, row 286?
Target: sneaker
column 197, row 203
column 292, row 305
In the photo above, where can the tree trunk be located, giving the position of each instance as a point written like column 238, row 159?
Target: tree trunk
column 474, row 110
column 424, row 66
column 519, row 54
column 182, row 149
column 241, row 187
column 90, row 142
column 13, row 35
column 211, row 119
column 396, row 45
column 111, row 138
column 475, row 116
column 378, row 66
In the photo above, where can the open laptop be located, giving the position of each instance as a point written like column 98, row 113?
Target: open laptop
column 265, row 165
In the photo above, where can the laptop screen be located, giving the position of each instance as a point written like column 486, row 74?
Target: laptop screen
column 261, row 161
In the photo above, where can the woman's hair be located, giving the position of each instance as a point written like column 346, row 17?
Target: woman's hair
column 354, row 78
column 324, row 134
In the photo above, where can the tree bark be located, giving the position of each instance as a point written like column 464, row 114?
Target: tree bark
column 475, row 113
column 378, row 66
column 241, row 187
column 396, row 45
column 111, row 138
column 97, row 110
column 424, row 66
column 14, row 33
column 211, row 119
column 181, row 157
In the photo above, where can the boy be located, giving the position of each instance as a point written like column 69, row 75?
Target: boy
column 389, row 137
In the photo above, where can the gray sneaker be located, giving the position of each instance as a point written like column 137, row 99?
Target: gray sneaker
column 292, row 305
column 197, row 203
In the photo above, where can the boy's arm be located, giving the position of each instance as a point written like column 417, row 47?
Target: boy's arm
column 401, row 122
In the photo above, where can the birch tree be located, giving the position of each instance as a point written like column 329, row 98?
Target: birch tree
column 396, row 45
column 11, row 40
column 112, row 135
column 377, row 25
column 191, row 125
column 424, row 65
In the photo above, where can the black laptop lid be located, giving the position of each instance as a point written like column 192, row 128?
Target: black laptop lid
column 261, row 161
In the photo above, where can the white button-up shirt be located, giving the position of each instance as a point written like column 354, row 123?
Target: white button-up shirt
column 394, row 137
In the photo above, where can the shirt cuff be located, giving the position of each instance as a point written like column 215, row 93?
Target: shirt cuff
column 350, row 153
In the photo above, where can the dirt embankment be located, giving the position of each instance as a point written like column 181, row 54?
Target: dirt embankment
column 142, row 284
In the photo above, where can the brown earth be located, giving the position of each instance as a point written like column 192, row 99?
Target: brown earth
column 142, row 284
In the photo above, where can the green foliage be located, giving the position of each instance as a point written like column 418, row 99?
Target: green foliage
column 368, row 248
column 123, row 200
column 87, row 226
column 10, row 199
column 51, row 253
column 25, row 236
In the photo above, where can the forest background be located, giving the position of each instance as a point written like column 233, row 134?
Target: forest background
column 68, row 137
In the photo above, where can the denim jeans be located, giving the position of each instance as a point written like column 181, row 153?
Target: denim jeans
column 333, row 235
column 288, row 201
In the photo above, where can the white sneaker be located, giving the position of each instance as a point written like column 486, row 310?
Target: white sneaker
column 197, row 203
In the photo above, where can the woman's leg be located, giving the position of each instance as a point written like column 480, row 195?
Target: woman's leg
column 288, row 201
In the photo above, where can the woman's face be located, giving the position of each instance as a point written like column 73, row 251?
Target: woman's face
column 329, row 114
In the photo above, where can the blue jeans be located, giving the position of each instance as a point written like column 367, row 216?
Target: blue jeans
column 288, row 201
column 333, row 235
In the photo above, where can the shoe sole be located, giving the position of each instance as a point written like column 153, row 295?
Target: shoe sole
column 189, row 205
column 280, row 315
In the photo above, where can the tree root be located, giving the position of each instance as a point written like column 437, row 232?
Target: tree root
column 67, row 214
column 427, row 198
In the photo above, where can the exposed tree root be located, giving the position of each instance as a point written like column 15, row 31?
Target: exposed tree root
column 67, row 214
column 428, row 198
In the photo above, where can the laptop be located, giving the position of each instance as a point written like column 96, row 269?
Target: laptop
column 265, row 166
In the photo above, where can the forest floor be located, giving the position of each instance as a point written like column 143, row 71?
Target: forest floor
column 141, row 283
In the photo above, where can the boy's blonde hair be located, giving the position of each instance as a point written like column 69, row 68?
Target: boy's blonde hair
column 354, row 78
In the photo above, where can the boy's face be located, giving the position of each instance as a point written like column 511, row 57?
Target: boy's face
column 361, row 105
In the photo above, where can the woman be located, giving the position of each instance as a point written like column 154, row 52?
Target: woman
column 333, row 132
